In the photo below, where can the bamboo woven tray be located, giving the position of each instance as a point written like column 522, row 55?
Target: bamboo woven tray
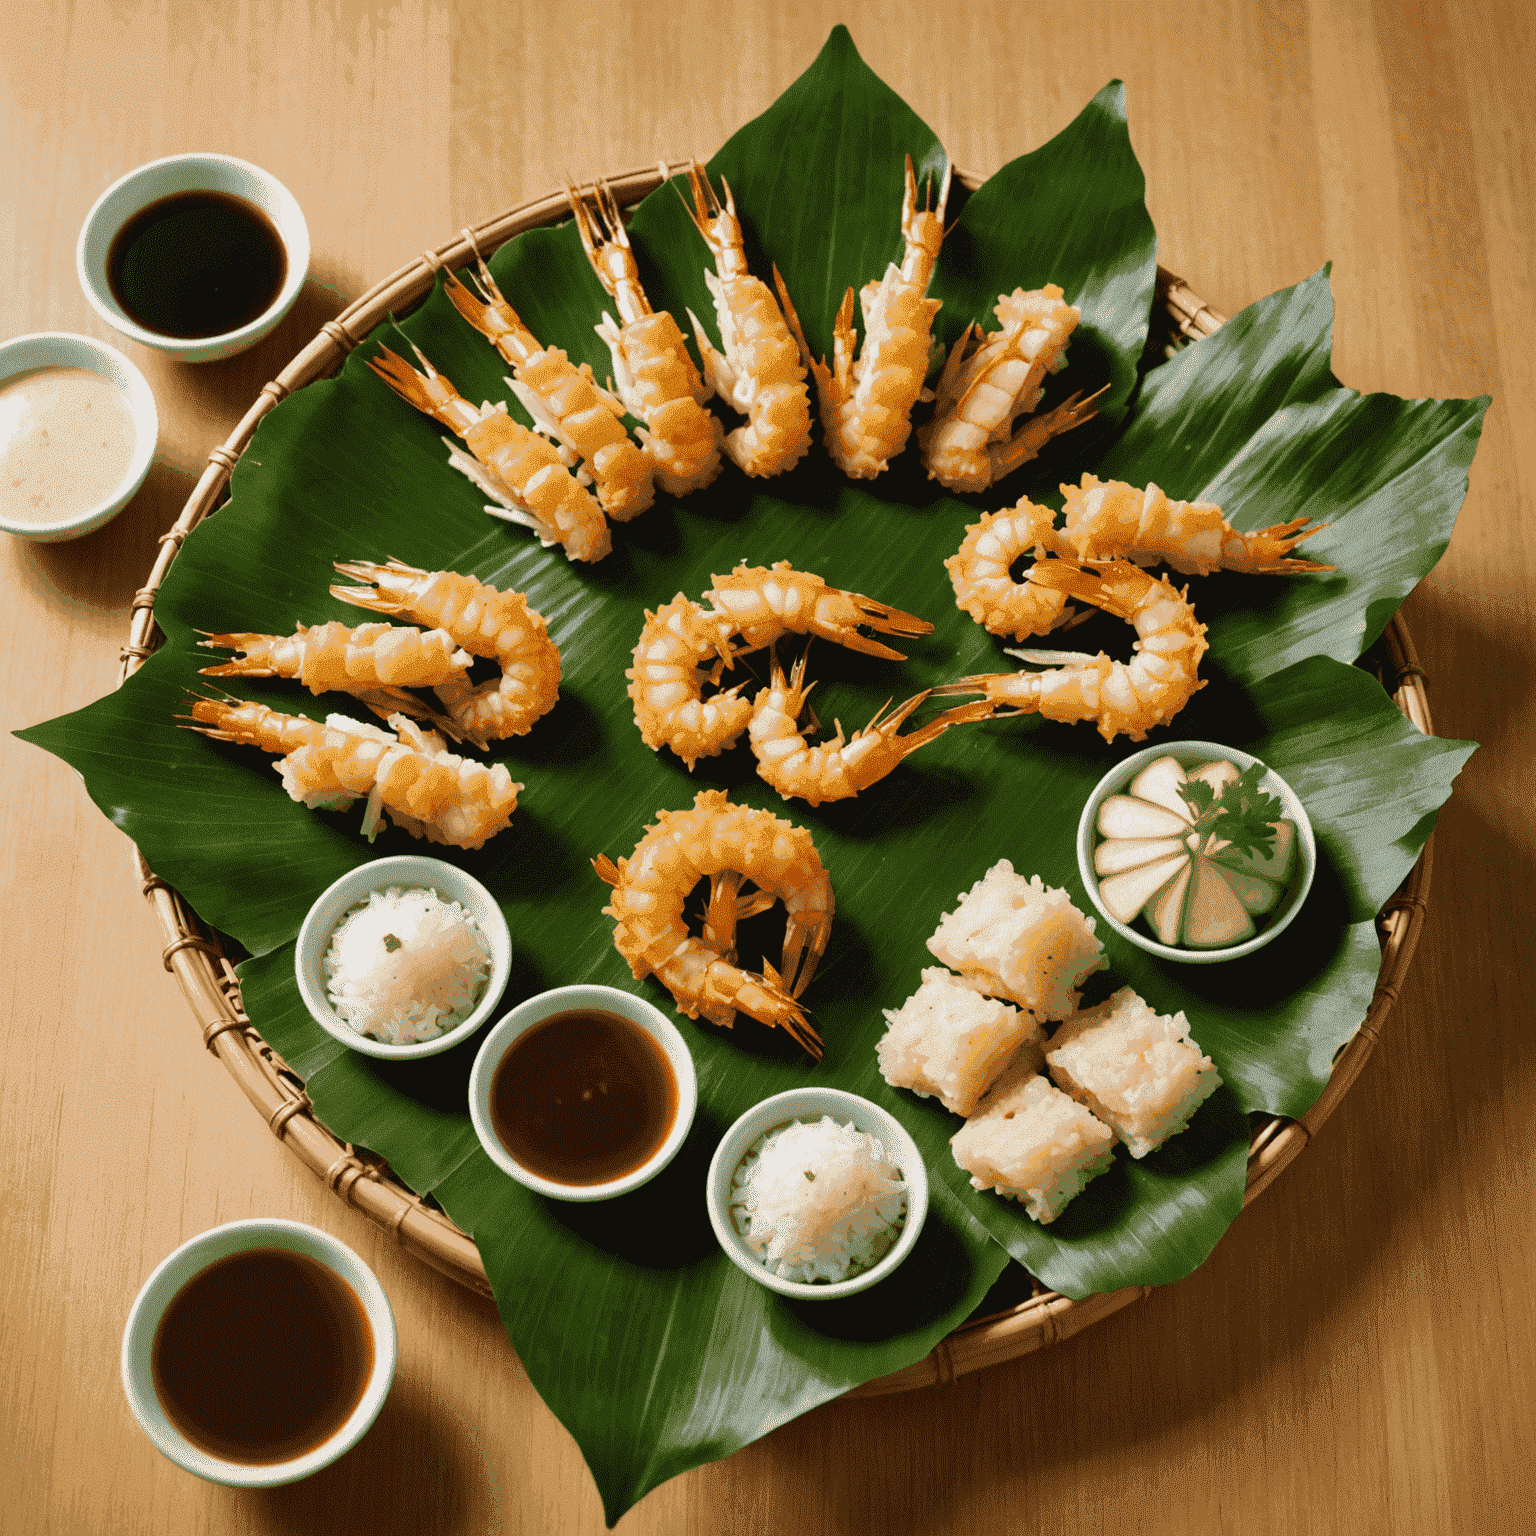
column 207, row 978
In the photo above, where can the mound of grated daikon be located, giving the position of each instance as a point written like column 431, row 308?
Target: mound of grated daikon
column 818, row 1201
column 406, row 966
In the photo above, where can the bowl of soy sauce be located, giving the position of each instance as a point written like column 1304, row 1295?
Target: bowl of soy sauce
column 258, row 1353
column 199, row 256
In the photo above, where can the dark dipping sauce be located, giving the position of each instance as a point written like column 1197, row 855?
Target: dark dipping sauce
column 262, row 1356
column 197, row 264
column 583, row 1097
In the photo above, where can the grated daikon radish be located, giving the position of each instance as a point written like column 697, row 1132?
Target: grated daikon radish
column 406, row 966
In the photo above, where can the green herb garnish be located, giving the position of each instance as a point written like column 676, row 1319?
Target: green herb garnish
column 1243, row 815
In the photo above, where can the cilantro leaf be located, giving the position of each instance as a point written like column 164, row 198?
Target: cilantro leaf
column 1242, row 816
column 1199, row 796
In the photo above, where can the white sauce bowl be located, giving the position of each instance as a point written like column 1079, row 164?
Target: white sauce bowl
column 810, row 1104
column 353, row 889
column 62, row 349
column 1118, row 780
column 191, row 1259
column 165, row 178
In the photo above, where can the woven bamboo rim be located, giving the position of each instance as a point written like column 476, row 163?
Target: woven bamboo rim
column 193, row 954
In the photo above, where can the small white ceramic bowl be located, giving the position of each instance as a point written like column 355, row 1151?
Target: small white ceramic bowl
column 193, row 1257
column 61, row 349
column 1118, row 780
column 191, row 173
column 564, row 1000
column 810, row 1104
column 353, row 889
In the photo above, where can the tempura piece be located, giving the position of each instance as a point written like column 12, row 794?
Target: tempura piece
column 1136, row 1069
column 1020, row 939
column 950, row 1040
column 1030, row 1142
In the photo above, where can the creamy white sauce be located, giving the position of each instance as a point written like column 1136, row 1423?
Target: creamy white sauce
column 66, row 444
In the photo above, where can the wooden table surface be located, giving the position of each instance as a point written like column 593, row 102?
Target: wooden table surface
column 1358, row 1354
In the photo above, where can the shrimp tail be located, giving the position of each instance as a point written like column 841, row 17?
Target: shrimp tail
column 844, row 345
column 258, row 660
column 888, row 621
column 789, row 1014
column 1267, row 552
column 1096, row 584
column 1028, row 441
column 804, row 945
column 475, row 310
column 762, row 603
column 215, row 713
column 706, row 209
column 426, row 389
column 890, row 725
column 792, row 319
column 963, row 714
column 376, row 597
column 946, row 389
column 761, row 995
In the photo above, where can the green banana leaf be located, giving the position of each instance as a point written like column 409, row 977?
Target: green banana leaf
column 1253, row 419
column 650, row 1346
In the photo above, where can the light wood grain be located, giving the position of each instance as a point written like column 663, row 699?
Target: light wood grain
column 1358, row 1353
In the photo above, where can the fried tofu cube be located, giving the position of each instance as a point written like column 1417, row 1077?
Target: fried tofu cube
column 1020, row 939
column 1136, row 1069
column 1031, row 1142
column 950, row 1040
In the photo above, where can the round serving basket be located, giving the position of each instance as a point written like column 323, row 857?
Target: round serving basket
column 207, row 977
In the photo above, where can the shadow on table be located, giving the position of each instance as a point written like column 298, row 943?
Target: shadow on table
column 104, row 569
column 417, row 1469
